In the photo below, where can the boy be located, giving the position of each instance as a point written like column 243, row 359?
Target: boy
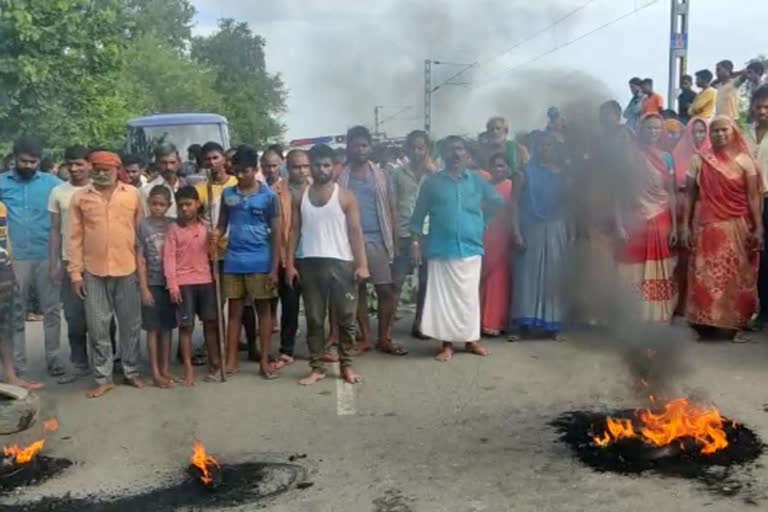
column 9, row 300
column 158, row 314
column 190, row 282
column 251, row 212
column 135, row 166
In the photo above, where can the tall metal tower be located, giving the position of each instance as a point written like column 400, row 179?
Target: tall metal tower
column 678, row 47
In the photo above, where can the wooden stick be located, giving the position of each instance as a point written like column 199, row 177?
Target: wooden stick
column 217, row 281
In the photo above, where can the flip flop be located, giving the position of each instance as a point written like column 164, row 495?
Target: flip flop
column 392, row 349
column 268, row 376
column 212, row 377
column 283, row 361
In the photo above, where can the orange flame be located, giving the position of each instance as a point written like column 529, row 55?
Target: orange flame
column 23, row 455
column 203, row 461
column 680, row 419
column 28, row 453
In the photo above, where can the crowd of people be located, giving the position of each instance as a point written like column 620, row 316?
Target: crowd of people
column 486, row 227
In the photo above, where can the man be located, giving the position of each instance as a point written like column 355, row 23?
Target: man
column 634, row 110
column 135, row 166
column 727, row 103
column 498, row 133
column 685, row 98
column 104, row 217
column 406, row 181
column 327, row 240
column 653, row 102
column 458, row 203
column 194, row 161
column 371, row 188
column 168, row 162
column 757, row 136
column 25, row 192
column 749, row 80
column 703, row 105
column 286, row 189
column 59, row 257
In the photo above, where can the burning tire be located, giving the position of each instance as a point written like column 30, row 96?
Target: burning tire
column 19, row 409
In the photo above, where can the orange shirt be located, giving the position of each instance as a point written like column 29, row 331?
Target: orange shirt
column 653, row 104
column 283, row 191
column 102, row 232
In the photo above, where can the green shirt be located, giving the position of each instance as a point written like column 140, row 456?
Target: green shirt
column 406, row 185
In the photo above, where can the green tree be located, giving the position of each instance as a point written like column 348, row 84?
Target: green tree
column 159, row 80
column 253, row 97
column 59, row 63
column 169, row 21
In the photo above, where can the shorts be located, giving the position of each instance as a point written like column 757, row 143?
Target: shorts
column 161, row 316
column 403, row 264
column 249, row 287
column 378, row 263
column 11, row 308
column 197, row 299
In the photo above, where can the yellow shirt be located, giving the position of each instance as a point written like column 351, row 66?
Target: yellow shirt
column 728, row 100
column 202, row 191
column 704, row 104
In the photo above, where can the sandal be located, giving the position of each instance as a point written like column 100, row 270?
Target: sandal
column 391, row 348
column 212, row 377
column 268, row 375
column 283, row 361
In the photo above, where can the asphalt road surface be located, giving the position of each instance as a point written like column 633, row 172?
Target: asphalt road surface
column 417, row 435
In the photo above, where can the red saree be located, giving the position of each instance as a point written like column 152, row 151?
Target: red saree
column 646, row 262
column 497, row 268
column 722, row 272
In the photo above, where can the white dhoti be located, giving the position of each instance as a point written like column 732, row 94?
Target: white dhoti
column 452, row 303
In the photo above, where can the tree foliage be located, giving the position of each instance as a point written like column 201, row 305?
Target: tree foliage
column 253, row 97
column 77, row 70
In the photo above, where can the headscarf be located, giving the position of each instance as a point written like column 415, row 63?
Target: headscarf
column 738, row 144
column 655, row 154
column 674, row 127
column 105, row 158
column 686, row 148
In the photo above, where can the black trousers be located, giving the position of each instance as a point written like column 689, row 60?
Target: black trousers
column 290, row 297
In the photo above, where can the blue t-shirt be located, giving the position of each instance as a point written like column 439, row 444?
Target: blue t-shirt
column 250, row 249
column 364, row 191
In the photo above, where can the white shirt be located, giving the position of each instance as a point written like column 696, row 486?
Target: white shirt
column 58, row 202
column 159, row 180
column 760, row 152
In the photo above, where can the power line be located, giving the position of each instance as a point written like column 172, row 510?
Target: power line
column 577, row 39
column 516, row 45
column 391, row 117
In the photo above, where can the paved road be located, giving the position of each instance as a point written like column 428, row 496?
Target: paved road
column 417, row 435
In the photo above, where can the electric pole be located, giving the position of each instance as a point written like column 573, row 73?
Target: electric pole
column 678, row 48
column 376, row 120
column 427, row 95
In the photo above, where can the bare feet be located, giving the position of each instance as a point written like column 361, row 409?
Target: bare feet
column 213, row 376
column 160, row 382
column 350, row 376
column 266, row 371
column 100, row 390
column 189, row 378
column 135, row 382
column 173, row 379
column 31, row 385
column 313, row 377
column 476, row 348
column 361, row 348
column 283, row 361
column 232, row 370
column 446, row 353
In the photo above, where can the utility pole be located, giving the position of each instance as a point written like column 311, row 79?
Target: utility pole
column 678, row 48
column 376, row 120
column 427, row 95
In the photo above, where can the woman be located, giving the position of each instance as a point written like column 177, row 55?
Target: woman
column 497, row 270
column 539, row 232
column 694, row 141
column 649, row 231
column 725, row 234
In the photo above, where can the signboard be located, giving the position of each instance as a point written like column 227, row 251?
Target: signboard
column 679, row 42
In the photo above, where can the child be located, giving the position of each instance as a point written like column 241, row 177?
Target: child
column 10, row 303
column 158, row 314
column 252, row 213
column 190, row 282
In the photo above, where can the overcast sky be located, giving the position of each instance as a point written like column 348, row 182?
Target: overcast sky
column 340, row 58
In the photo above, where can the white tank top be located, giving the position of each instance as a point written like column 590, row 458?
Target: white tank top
column 324, row 229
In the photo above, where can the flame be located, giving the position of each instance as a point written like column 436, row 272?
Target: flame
column 680, row 419
column 203, row 461
column 23, row 455
column 26, row 454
